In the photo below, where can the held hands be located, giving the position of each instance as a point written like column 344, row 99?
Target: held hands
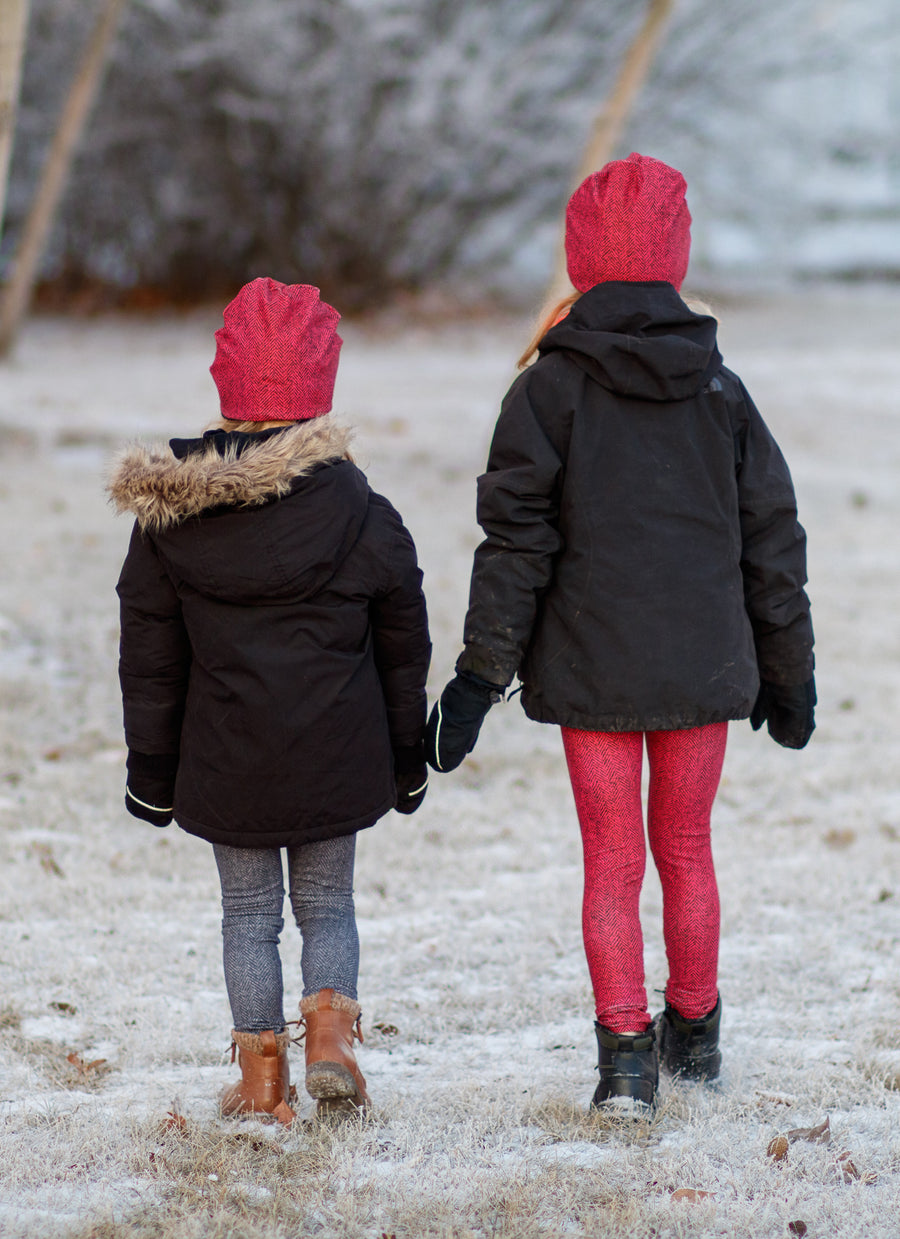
column 411, row 777
column 150, row 788
column 789, row 710
column 456, row 720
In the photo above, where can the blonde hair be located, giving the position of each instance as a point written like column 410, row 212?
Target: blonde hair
column 557, row 310
column 249, row 428
column 549, row 316
column 230, row 424
column 700, row 307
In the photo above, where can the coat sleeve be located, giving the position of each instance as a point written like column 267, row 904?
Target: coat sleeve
column 154, row 651
column 773, row 556
column 400, row 634
column 518, row 509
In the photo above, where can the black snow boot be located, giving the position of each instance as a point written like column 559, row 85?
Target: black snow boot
column 629, row 1070
column 690, row 1048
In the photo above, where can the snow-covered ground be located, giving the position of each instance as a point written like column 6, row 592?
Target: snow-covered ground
column 469, row 915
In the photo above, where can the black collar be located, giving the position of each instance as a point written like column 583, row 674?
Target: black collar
column 224, row 441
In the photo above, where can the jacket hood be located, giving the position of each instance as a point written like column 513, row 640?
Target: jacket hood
column 639, row 340
column 280, row 512
column 163, row 486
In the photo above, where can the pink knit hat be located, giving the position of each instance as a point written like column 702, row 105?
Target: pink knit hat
column 277, row 354
column 629, row 221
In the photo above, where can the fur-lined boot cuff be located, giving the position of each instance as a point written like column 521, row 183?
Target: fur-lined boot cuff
column 252, row 1043
column 330, row 999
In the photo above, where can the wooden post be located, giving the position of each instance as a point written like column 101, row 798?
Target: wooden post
column 610, row 122
column 17, row 293
column 13, row 23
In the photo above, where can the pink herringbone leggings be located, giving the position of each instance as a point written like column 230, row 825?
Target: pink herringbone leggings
column 685, row 767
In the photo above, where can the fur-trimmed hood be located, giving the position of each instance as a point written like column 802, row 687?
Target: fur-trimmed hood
column 161, row 490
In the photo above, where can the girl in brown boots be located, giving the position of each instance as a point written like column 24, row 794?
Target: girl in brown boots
column 274, row 650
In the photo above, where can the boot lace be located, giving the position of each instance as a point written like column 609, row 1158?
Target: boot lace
column 300, row 1025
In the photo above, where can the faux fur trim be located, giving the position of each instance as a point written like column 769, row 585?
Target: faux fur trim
column 251, row 1043
column 162, row 491
column 339, row 1002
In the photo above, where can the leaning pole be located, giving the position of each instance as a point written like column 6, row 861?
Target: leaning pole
column 16, row 296
column 610, row 120
column 13, row 24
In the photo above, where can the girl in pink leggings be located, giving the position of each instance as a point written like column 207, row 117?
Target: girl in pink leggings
column 642, row 574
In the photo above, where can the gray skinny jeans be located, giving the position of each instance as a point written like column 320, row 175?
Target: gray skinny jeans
column 321, row 893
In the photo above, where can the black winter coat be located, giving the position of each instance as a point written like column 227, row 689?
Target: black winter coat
column 274, row 633
column 643, row 565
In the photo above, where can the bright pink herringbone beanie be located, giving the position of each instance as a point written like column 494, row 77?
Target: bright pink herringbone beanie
column 629, row 221
column 277, row 354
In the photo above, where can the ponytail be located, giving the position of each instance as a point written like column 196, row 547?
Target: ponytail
column 551, row 315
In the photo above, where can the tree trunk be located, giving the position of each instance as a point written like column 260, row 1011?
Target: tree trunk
column 13, row 24
column 17, row 294
column 610, row 121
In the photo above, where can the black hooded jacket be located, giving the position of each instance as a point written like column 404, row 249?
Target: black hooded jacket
column 643, row 565
column 273, row 633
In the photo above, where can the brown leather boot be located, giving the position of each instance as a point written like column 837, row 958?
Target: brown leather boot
column 331, row 1021
column 265, row 1085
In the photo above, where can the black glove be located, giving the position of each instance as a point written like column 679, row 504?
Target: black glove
column 411, row 775
column 790, row 711
column 150, row 788
column 456, row 719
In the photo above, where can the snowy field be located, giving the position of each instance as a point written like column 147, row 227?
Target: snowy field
column 480, row 1047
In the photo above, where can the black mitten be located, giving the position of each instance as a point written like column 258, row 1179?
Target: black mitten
column 411, row 775
column 789, row 710
column 456, row 720
column 150, row 789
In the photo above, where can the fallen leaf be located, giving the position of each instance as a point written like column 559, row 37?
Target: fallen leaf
column 64, row 1008
column 778, row 1148
column 44, row 853
column 387, row 1030
column 691, row 1195
column 840, row 838
column 82, row 1067
column 53, row 755
column 820, row 1134
column 174, row 1121
column 850, row 1172
column 798, row 1228
column 848, row 1168
column 774, row 1099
